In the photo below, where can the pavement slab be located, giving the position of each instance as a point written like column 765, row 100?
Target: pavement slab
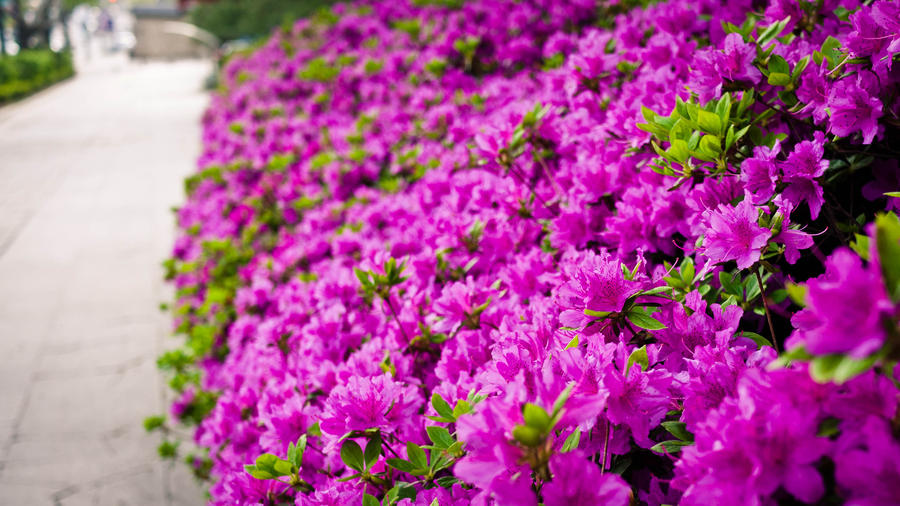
column 90, row 169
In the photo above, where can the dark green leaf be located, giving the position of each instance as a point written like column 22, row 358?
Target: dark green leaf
column 259, row 474
column 644, row 321
column 758, row 339
column 441, row 406
column 370, row 500
column 447, row 481
column 416, row 455
column 439, row 436
column 406, row 467
column 671, row 446
column 373, row 451
column 679, row 430
column 829, row 427
column 352, row 455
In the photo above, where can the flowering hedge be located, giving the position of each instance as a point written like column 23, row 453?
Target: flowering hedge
column 522, row 252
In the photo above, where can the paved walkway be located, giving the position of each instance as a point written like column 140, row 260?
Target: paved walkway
column 88, row 172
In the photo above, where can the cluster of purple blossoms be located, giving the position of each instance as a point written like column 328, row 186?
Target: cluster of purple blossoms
column 548, row 252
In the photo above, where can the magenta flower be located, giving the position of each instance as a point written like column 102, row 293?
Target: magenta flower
column 597, row 285
column 376, row 402
column 760, row 173
column 876, row 34
column 734, row 234
column 801, row 169
column 867, row 470
column 814, row 91
column 761, row 439
column 735, row 63
column 829, row 324
column 854, row 109
column 577, row 480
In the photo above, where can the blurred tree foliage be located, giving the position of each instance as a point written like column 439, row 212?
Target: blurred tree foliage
column 236, row 19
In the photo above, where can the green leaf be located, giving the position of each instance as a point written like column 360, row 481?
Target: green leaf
column 259, row 474
column 747, row 99
column 562, row 398
column 797, row 293
column 860, row 244
column 798, row 354
column 709, row 122
column 892, row 194
column 831, row 49
column 671, row 446
column 528, row 436
column 406, row 467
column 572, row 441
column 447, row 481
column 679, row 150
column 440, row 437
column 851, row 367
column 283, row 468
column 758, row 339
column 352, row 455
column 829, row 427
column 823, row 368
column 638, row 356
column 292, row 454
column 573, row 343
column 726, row 279
column 887, row 241
column 363, row 276
column 441, row 406
column 711, row 146
column 152, row 423
column 772, row 31
column 779, row 64
column 679, row 430
column 370, row 500
column 644, row 321
column 799, row 67
column 416, row 455
column 462, row 407
column 596, row 314
column 779, row 79
column 723, row 108
column 536, row 417
column 373, row 451
column 659, row 289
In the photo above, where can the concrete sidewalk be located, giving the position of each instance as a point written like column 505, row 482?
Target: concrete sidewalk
column 88, row 172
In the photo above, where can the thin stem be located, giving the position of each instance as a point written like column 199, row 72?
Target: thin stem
column 557, row 192
column 397, row 318
column 605, row 446
column 762, row 293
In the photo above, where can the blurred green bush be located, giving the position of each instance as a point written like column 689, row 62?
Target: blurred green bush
column 238, row 19
column 31, row 70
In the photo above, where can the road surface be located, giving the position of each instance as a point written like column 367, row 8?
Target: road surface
column 89, row 170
